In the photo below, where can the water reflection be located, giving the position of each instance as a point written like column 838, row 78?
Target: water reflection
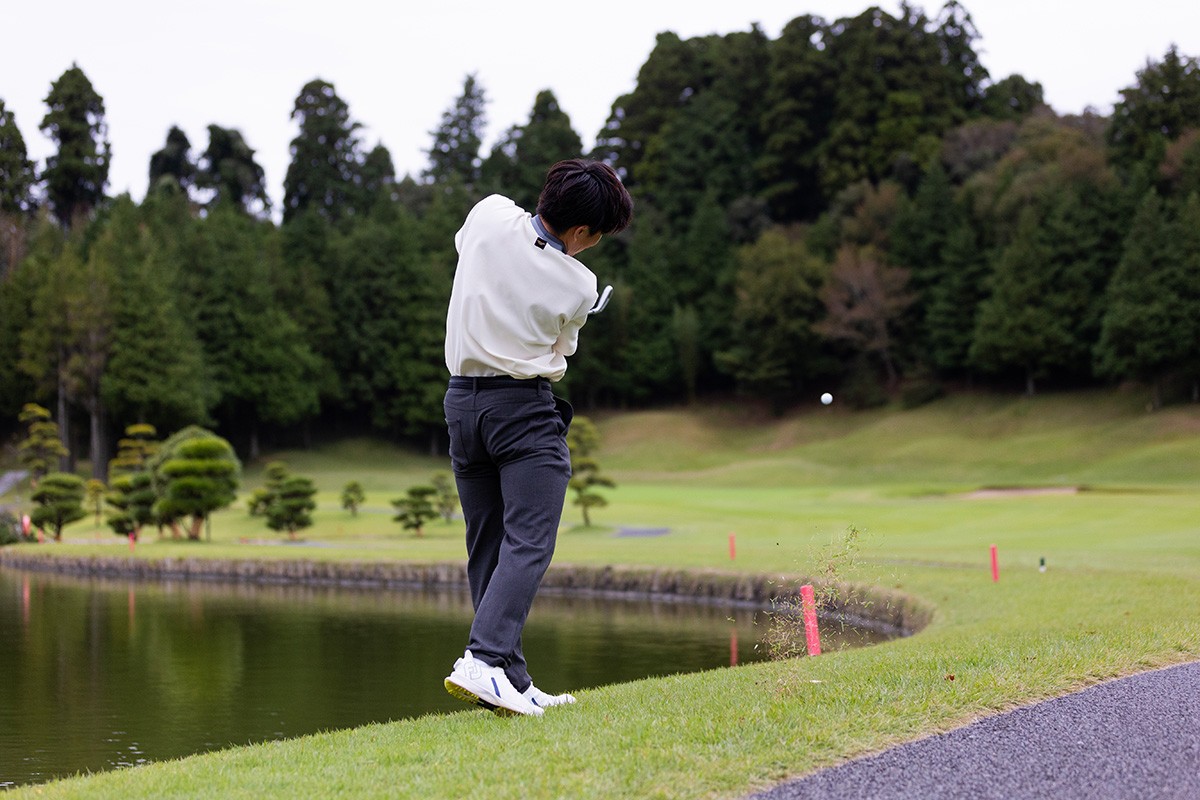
column 100, row 674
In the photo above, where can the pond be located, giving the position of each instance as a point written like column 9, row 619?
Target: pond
column 102, row 674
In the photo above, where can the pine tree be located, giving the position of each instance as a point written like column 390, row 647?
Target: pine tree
column 90, row 330
column 703, row 277
column 173, row 161
column 41, row 449
column 325, row 173
column 415, row 508
column 292, row 505
column 918, row 239
column 131, row 498
column 261, row 498
column 1019, row 325
column 963, row 72
column 16, row 170
column 922, row 227
column 155, row 372
column 94, row 491
column 303, row 283
column 901, row 83
column 1185, row 243
column 454, row 154
column 229, row 172
column 598, row 369
column 1149, row 329
column 59, row 502
column 702, row 150
column 1163, row 104
column 1082, row 232
column 685, row 333
column 378, row 177
column 77, row 174
column 707, row 145
column 664, row 83
column 17, row 293
column 134, row 450
column 952, row 301
column 1012, row 98
column 261, row 368
column 16, row 192
column 49, row 339
column 797, row 114
column 774, row 349
column 641, row 312
column 583, row 440
column 518, row 162
column 353, row 497
column 390, row 326
column 195, row 473
column 447, row 495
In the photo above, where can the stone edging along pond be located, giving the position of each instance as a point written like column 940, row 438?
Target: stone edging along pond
column 885, row 610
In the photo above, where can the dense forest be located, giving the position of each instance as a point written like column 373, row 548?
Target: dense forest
column 856, row 205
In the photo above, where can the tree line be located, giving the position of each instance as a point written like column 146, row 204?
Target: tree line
column 856, row 204
column 177, row 484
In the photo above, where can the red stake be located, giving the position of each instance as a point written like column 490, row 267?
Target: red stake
column 732, row 546
column 995, row 566
column 812, row 635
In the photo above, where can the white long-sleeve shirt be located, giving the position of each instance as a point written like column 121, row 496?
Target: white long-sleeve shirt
column 516, row 307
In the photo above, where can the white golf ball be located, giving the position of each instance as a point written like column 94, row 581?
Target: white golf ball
column 826, row 398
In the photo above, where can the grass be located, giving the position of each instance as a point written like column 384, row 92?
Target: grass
column 1118, row 596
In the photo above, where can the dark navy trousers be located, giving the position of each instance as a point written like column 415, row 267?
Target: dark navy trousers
column 508, row 448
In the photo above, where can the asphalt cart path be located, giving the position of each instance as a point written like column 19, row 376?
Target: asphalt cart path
column 1136, row 737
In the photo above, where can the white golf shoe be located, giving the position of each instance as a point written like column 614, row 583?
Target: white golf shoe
column 487, row 686
column 543, row 700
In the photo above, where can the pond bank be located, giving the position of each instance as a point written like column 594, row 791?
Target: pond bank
column 870, row 607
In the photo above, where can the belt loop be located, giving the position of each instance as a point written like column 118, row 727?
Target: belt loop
column 474, row 384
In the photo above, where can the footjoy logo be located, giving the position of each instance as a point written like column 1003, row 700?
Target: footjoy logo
column 473, row 670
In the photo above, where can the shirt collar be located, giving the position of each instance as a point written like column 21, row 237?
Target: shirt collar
column 544, row 233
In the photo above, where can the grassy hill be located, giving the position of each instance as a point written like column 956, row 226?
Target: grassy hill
column 1119, row 594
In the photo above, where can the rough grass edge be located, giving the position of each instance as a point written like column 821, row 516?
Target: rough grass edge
column 885, row 610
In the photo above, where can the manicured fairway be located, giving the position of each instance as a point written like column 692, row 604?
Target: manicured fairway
column 1118, row 596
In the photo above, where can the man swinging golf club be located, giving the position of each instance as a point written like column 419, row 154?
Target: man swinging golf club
column 519, row 300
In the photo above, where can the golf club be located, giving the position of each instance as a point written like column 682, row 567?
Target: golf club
column 603, row 301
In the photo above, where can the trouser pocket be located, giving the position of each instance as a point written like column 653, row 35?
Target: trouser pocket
column 566, row 412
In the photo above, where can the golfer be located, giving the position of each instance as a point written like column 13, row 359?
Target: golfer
column 519, row 300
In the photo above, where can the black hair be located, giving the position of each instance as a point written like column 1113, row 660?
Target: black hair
column 582, row 192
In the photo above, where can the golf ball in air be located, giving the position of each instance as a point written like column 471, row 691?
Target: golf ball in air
column 826, row 398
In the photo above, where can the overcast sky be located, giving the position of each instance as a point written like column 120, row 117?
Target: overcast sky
column 399, row 65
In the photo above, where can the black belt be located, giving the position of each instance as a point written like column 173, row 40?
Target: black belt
column 497, row 382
